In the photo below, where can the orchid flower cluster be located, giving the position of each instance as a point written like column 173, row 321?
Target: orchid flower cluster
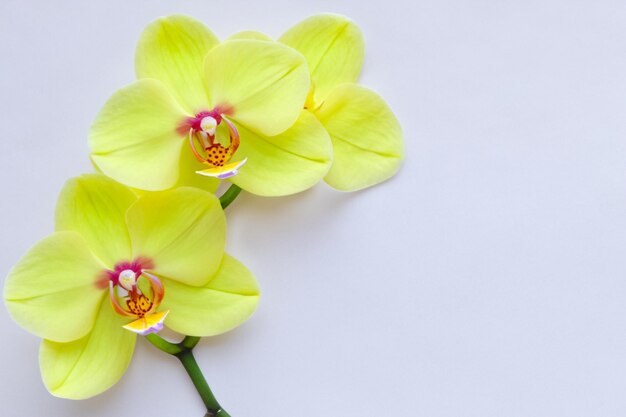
column 139, row 245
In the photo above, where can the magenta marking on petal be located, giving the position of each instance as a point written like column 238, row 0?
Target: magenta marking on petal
column 194, row 122
column 137, row 266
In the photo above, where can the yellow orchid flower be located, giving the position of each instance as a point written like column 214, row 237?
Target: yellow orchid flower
column 119, row 265
column 200, row 106
column 366, row 136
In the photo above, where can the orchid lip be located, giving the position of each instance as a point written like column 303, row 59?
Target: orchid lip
column 152, row 323
column 224, row 172
column 128, row 300
column 201, row 133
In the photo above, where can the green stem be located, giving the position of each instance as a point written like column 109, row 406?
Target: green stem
column 229, row 196
column 214, row 409
column 190, row 342
column 164, row 345
column 183, row 351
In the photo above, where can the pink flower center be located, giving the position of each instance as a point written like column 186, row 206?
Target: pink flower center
column 202, row 129
column 135, row 293
column 195, row 123
column 137, row 266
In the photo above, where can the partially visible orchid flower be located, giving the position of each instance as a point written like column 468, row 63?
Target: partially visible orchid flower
column 119, row 265
column 366, row 136
column 205, row 107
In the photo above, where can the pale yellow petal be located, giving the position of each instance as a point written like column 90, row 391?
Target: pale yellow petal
column 183, row 231
column 95, row 206
column 92, row 364
column 188, row 177
column 134, row 139
column 262, row 85
column 225, row 302
column 172, row 50
column 53, row 290
column 367, row 138
column 333, row 47
column 287, row 163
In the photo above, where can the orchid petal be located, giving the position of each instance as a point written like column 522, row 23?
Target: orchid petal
column 95, row 206
column 183, row 231
column 90, row 365
column 225, row 302
column 261, row 85
column 287, row 163
column 53, row 290
column 172, row 50
column 134, row 139
column 367, row 138
column 189, row 166
column 333, row 47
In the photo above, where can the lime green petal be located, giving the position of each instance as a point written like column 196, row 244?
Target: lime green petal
column 250, row 35
column 367, row 138
column 183, row 231
column 90, row 365
column 260, row 84
column 95, row 206
column 287, row 163
column 134, row 138
column 224, row 303
column 333, row 47
column 172, row 50
column 52, row 291
column 188, row 177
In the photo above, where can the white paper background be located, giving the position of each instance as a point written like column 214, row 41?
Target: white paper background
column 487, row 279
